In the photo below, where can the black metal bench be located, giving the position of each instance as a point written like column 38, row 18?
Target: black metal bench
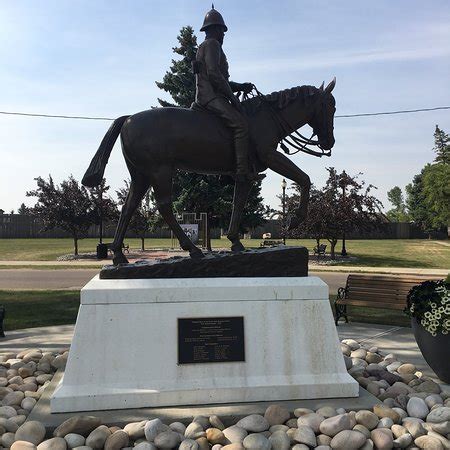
column 320, row 250
column 375, row 291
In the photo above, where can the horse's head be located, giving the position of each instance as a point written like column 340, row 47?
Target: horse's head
column 322, row 121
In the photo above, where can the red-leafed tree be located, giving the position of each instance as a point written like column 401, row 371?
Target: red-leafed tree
column 344, row 204
column 66, row 206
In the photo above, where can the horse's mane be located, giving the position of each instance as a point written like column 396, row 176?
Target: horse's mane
column 280, row 99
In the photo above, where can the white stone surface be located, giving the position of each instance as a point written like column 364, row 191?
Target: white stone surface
column 124, row 351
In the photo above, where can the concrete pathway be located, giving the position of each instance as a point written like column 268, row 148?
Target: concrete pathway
column 17, row 279
column 388, row 339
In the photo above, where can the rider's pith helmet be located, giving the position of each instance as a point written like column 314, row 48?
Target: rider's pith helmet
column 213, row 17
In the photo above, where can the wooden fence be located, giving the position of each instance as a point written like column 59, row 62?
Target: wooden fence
column 15, row 226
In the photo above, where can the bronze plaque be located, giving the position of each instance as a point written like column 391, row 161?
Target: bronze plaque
column 211, row 340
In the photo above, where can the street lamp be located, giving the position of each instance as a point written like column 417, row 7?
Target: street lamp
column 283, row 187
column 343, row 185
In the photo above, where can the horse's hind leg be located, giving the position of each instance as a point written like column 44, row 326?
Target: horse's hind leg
column 138, row 187
column 241, row 191
column 161, row 181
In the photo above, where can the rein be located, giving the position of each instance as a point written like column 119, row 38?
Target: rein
column 293, row 138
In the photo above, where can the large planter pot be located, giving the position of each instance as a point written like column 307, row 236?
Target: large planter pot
column 435, row 350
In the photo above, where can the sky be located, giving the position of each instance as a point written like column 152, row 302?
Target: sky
column 102, row 58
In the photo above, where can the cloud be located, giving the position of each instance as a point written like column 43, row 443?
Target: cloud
column 333, row 59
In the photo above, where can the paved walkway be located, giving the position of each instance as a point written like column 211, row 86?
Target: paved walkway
column 388, row 339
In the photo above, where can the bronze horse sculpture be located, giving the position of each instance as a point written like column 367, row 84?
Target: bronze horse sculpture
column 159, row 141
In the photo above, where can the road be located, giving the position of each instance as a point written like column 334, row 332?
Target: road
column 77, row 278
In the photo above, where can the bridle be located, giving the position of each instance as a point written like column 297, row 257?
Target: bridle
column 292, row 138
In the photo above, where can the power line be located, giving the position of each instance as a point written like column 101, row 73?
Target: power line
column 384, row 113
column 53, row 116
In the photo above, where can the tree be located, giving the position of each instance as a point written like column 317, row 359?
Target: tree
column 145, row 218
column 398, row 213
column 179, row 81
column 214, row 196
column 441, row 146
column 436, row 189
column 104, row 207
column 66, row 206
column 24, row 210
column 428, row 196
column 343, row 205
column 415, row 202
column 314, row 226
column 196, row 192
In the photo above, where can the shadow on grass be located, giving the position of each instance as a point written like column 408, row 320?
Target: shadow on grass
column 364, row 314
column 387, row 261
column 29, row 309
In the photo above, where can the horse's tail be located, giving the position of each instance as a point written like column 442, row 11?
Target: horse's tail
column 94, row 174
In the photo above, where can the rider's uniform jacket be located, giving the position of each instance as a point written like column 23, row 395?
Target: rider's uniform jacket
column 211, row 72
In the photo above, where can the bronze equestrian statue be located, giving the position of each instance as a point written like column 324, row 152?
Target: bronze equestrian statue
column 157, row 142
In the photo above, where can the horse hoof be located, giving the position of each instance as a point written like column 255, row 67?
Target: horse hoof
column 196, row 253
column 237, row 247
column 119, row 259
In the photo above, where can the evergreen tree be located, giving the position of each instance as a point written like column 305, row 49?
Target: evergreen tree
column 195, row 192
column 179, row 80
column 398, row 213
column 24, row 210
column 441, row 146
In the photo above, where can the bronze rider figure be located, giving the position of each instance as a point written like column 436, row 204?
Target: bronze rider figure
column 215, row 92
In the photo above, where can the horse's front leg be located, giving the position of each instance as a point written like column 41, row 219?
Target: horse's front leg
column 241, row 191
column 285, row 167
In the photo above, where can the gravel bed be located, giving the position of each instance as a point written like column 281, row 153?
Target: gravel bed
column 79, row 257
column 413, row 413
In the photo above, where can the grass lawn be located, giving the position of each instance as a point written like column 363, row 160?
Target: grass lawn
column 370, row 253
column 28, row 309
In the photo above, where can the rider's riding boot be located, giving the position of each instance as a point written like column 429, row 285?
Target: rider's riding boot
column 243, row 172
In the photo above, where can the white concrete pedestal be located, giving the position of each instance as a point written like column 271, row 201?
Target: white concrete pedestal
column 124, row 350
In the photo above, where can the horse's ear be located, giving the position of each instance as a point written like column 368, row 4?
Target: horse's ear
column 331, row 86
column 322, row 85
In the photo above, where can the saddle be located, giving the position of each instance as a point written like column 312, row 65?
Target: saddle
column 224, row 130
